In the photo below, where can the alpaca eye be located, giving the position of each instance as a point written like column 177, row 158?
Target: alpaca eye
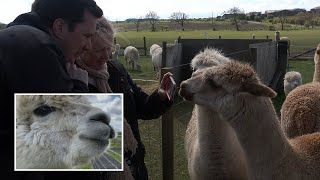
column 44, row 110
column 213, row 84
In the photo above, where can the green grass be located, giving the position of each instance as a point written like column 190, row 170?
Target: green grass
column 299, row 38
column 306, row 69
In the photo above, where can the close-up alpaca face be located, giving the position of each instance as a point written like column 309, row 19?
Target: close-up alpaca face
column 63, row 126
column 202, row 89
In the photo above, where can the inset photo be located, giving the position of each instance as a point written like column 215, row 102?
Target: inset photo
column 68, row 132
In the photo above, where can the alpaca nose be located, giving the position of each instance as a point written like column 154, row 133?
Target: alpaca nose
column 100, row 116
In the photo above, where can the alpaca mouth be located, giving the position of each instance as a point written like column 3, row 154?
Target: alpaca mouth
column 185, row 94
column 96, row 140
column 99, row 135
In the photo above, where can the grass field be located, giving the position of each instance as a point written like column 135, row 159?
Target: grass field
column 150, row 130
column 300, row 39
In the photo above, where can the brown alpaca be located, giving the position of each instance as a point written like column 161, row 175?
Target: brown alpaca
column 300, row 112
column 234, row 92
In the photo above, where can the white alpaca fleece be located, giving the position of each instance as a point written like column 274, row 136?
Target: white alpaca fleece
column 207, row 58
column 54, row 132
column 292, row 79
column 154, row 47
column 131, row 55
column 211, row 145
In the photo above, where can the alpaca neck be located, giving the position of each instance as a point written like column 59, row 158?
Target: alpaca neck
column 260, row 135
column 220, row 151
column 316, row 75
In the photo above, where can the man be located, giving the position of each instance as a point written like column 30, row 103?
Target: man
column 34, row 51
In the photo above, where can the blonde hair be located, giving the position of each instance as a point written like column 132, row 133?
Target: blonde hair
column 105, row 30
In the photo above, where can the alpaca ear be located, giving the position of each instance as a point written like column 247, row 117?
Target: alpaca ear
column 258, row 89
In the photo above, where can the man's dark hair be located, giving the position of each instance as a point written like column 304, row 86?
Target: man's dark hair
column 72, row 11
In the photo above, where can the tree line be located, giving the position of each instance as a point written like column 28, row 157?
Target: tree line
column 236, row 16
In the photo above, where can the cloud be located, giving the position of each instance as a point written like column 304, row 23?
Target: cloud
column 111, row 104
column 116, row 10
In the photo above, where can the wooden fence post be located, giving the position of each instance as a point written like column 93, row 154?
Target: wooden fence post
column 145, row 46
column 166, row 128
column 114, row 40
column 277, row 81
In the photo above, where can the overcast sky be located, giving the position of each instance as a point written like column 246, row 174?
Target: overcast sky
column 123, row 9
column 112, row 104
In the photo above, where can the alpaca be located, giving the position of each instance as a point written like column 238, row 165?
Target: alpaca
column 153, row 47
column 156, row 58
column 131, row 55
column 234, row 92
column 220, row 156
column 291, row 80
column 300, row 113
column 58, row 131
column 316, row 75
column 115, row 53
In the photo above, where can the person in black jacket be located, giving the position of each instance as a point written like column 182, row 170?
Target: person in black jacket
column 37, row 53
column 106, row 75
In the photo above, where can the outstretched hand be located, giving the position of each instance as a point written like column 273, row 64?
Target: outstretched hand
column 77, row 73
column 161, row 90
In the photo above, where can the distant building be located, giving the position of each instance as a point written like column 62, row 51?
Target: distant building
column 253, row 14
column 315, row 10
column 230, row 16
column 286, row 12
column 227, row 16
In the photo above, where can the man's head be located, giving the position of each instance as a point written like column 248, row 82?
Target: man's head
column 102, row 42
column 71, row 23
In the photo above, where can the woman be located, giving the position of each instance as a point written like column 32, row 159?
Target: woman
column 106, row 75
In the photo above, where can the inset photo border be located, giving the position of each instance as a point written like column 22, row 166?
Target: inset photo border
column 68, row 132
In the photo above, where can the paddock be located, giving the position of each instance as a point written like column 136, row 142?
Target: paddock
column 254, row 52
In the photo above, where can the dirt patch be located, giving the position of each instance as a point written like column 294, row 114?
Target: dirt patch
column 148, row 87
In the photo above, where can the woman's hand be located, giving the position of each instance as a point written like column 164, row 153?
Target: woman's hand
column 161, row 91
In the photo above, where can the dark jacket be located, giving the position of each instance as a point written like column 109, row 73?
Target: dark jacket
column 137, row 105
column 30, row 62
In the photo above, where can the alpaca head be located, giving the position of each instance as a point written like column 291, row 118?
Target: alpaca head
column 291, row 80
column 58, row 131
column 207, row 58
column 117, row 47
column 222, row 87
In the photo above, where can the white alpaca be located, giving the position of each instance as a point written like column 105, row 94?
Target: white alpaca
column 115, row 53
column 291, row 80
column 153, row 47
column 56, row 132
column 212, row 148
column 234, row 92
column 156, row 57
column 131, row 56
column 300, row 112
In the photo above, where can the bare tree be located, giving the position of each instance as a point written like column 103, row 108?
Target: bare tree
column 137, row 22
column 152, row 17
column 283, row 17
column 180, row 18
column 236, row 15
